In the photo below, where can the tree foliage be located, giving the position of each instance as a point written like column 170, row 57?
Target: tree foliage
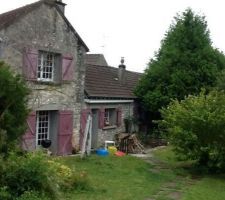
column 185, row 63
column 195, row 127
column 13, row 108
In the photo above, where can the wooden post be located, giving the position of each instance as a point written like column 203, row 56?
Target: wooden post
column 90, row 137
column 87, row 137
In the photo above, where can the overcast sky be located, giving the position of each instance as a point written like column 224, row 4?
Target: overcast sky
column 132, row 28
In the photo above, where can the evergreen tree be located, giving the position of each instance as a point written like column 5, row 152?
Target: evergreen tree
column 13, row 107
column 185, row 63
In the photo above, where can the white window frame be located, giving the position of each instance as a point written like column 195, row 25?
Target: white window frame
column 42, row 67
column 108, row 120
column 42, row 128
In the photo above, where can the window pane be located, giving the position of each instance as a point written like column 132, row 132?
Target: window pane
column 46, row 66
column 43, row 126
column 110, row 117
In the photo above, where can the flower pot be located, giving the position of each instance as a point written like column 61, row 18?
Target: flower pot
column 46, row 143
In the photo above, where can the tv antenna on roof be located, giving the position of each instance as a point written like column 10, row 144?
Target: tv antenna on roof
column 103, row 46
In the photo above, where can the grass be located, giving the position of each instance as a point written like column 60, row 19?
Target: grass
column 208, row 188
column 167, row 155
column 205, row 187
column 121, row 178
column 130, row 178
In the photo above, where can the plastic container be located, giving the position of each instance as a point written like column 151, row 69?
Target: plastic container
column 102, row 152
column 112, row 150
column 120, row 153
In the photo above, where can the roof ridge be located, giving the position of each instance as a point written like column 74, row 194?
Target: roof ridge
column 108, row 66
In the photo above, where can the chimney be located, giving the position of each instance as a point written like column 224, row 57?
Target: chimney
column 121, row 71
column 61, row 5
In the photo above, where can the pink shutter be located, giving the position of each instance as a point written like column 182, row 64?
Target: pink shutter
column 119, row 116
column 30, row 62
column 101, row 117
column 65, row 132
column 83, row 121
column 29, row 138
column 67, row 68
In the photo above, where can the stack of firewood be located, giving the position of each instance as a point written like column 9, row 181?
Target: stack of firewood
column 129, row 143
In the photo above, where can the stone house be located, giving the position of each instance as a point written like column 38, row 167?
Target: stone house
column 39, row 43
column 109, row 98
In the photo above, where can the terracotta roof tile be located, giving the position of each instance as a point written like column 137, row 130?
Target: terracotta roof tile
column 102, row 81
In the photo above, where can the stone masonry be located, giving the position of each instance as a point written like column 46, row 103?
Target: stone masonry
column 45, row 29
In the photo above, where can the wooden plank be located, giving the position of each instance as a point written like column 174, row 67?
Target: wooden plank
column 90, row 137
column 83, row 150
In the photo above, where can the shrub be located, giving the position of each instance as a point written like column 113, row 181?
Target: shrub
column 195, row 127
column 29, row 172
column 36, row 173
column 70, row 179
column 4, row 193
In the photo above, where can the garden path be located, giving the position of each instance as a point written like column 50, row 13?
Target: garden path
column 171, row 190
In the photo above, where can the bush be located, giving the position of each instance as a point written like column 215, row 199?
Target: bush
column 195, row 127
column 29, row 172
column 4, row 193
column 35, row 173
column 70, row 179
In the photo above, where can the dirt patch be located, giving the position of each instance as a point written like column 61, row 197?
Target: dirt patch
column 175, row 195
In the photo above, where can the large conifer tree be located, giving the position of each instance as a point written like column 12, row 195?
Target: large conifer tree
column 185, row 63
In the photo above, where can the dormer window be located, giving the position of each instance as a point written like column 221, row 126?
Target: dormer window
column 46, row 66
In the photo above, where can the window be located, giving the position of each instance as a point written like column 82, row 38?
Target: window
column 110, row 117
column 43, row 125
column 46, row 65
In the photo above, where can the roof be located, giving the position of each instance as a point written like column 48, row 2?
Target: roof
column 103, row 82
column 95, row 59
column 10, row 17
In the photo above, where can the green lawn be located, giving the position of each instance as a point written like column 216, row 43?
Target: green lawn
column 116, row 178
column 208, row 188
column 130, row 178
column 205, row 187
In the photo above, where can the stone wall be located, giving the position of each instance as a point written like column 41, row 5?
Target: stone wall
column 108, row 133
column 45, row 29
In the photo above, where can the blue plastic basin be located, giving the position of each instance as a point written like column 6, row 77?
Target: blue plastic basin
column 102, row 152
